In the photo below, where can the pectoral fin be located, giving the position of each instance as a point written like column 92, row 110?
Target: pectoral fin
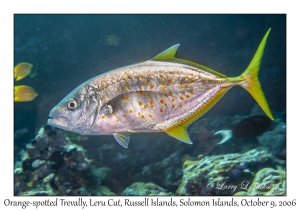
column 122, row 139
column 180, row 133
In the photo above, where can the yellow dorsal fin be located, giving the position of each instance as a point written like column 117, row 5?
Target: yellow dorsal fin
column 169, row 55
column 179, row 132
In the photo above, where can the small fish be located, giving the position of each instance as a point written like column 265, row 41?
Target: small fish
column 22, row 70
column 112, row 40
column 248, row 128
column 24, row 93
column 164, row 94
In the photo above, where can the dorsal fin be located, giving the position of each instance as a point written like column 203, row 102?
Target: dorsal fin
column 169, row 55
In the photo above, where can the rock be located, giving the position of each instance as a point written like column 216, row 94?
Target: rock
column 206, row 176
column 145, row 189
column 267, row 181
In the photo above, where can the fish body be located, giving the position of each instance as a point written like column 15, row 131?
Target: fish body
column 24, row 93
column 164, row 94
column 250, row 127
column 22, row 70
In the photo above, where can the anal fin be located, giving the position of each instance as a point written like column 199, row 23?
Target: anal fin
column 180, row 133
column 122, row 139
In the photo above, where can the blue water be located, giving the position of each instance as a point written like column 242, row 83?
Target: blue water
column 66, row 50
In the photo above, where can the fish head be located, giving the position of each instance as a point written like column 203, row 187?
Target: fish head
column 77, row 111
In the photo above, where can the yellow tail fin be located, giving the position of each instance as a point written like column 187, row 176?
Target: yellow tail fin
column 249, row 78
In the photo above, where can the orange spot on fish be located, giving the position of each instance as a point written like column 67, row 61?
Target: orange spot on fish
column 181, row 98
column 140, row 103
column 118, row 90
column 143, row 116
column 141, row 93
column 143, row 83
column 192, row 91
column 165, row 104
column 103, row 96
column 131, row 111
column 123, row 97
column 173, row 99
column 152, row 106
column 114, row 114
column 162, row 81
column 151, row 86
column 124, row 115
column 126, row 88
column 126, row 98
column 163, row 88
column 151, row 102
column 149, row 95
column 126, row 82
column 169, row 94
column 180, row 105
column 186, row 86
column 187, row 96
column 139, row 113
column 150, row 115
column 117, row 120
column 145, row 106
column 161, row 75
column 173, row 106
column 169, row 80
column 161, row 110
column 102, row 117
column 181, row 83
column 162, row 101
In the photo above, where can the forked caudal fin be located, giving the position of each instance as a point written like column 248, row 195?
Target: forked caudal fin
column 249, row 78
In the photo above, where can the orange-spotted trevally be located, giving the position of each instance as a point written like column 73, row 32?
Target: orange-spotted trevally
column 164, row 94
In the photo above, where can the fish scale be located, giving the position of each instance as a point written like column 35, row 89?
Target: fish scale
column 164, row 94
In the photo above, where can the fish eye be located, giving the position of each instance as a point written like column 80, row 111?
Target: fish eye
column 73, row 104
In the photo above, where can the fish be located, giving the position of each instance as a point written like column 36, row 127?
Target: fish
column 24, row 93
column 250, row 127
column 163, row 94
column 22, row 70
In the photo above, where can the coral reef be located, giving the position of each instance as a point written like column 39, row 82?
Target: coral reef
column 166, row 173
column 267, row 181
column 206, row 176
column 145, row 189
column 50, row 165
column 275, row 140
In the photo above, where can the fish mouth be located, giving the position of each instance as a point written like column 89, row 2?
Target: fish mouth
column 59, row 122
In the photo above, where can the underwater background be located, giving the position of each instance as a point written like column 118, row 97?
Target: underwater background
column 67, row 50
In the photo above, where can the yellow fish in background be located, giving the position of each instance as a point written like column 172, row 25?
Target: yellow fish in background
column 22, row 70
column 24, row 93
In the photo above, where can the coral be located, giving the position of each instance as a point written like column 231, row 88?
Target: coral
column 204, row 177
column 207, row 139
column 51, row 165
column 275, row 139
column 145, row 189
column 267, row 181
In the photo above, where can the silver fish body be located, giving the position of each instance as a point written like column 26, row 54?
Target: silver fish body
column 164, row 94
